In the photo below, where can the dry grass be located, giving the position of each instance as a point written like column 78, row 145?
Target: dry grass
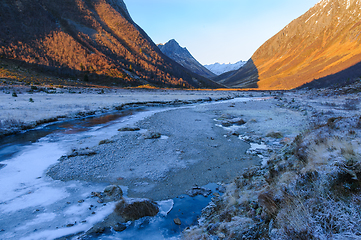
column 11, row 125
column 310, row 190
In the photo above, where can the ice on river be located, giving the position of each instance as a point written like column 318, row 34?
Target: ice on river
column 33, row 206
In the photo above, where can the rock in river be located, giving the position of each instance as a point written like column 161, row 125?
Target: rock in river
column 111, row 193
column 133, row 209
column 199, row 191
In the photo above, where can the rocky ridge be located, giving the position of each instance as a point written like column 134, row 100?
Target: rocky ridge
column 92, row 41
column 182, row 56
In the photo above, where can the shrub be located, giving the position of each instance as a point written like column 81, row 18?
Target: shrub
column 86, row 78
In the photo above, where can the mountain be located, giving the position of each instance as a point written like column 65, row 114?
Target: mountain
column 220, row 68
column 90, row 40
column 322, row 46
column 182, row 56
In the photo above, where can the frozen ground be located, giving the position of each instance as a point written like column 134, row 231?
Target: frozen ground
column 33, row 206
column 50, row 105
column 302, row 191
column 199, row 144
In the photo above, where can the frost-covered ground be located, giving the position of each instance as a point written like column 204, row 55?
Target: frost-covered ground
column 308, row 186
column 34, row 206
column 30, row 107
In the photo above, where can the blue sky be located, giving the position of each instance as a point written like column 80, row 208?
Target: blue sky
column 214, row 30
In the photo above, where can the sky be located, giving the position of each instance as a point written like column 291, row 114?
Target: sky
column 224, row 31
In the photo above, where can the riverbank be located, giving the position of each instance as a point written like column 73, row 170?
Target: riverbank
column 170, row 152
column 190, row 146
column 308, row 189
column 23, row 108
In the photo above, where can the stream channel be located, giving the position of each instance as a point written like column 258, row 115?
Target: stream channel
column 34, row 206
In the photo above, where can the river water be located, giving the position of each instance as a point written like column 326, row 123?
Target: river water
column 34, row 206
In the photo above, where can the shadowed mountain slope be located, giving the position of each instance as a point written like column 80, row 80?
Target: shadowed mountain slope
column 322, row 42
column 182, row 56
column 92, row 38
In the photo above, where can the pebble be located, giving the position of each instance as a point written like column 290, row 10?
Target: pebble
column 119, row 227
column 177, row 221
column 36, row 210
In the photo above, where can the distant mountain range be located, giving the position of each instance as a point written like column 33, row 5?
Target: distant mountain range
column 220, row 68
column 320, row 48
column 182, row 56
column 86, row 40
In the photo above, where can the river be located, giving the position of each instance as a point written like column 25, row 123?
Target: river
column 34, row 206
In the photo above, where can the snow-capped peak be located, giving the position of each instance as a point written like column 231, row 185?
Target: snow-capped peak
column 220, row 68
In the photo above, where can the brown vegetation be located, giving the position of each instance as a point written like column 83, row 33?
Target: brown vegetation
column 310, row 190
column 90, row 40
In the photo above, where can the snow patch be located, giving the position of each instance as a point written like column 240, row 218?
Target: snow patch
column 82, row 227
column 220, row 68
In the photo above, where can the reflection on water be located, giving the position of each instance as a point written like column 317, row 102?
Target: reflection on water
column 10, row 145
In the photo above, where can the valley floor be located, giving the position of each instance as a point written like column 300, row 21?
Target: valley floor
column 26, row 107
column 249, row 139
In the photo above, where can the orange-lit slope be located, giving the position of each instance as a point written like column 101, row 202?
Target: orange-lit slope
column 96, row 37
column 322, row 42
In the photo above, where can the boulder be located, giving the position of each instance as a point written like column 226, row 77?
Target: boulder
column 111, row 193
column 226, row 123
column 134, row 209
column 151, row 135
column 238, row 121
column 119, row 227
column 81, row 152
column 177, row 221
column 128, row 129
column 233, row 121
column 199, row 191
column 274, row 134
